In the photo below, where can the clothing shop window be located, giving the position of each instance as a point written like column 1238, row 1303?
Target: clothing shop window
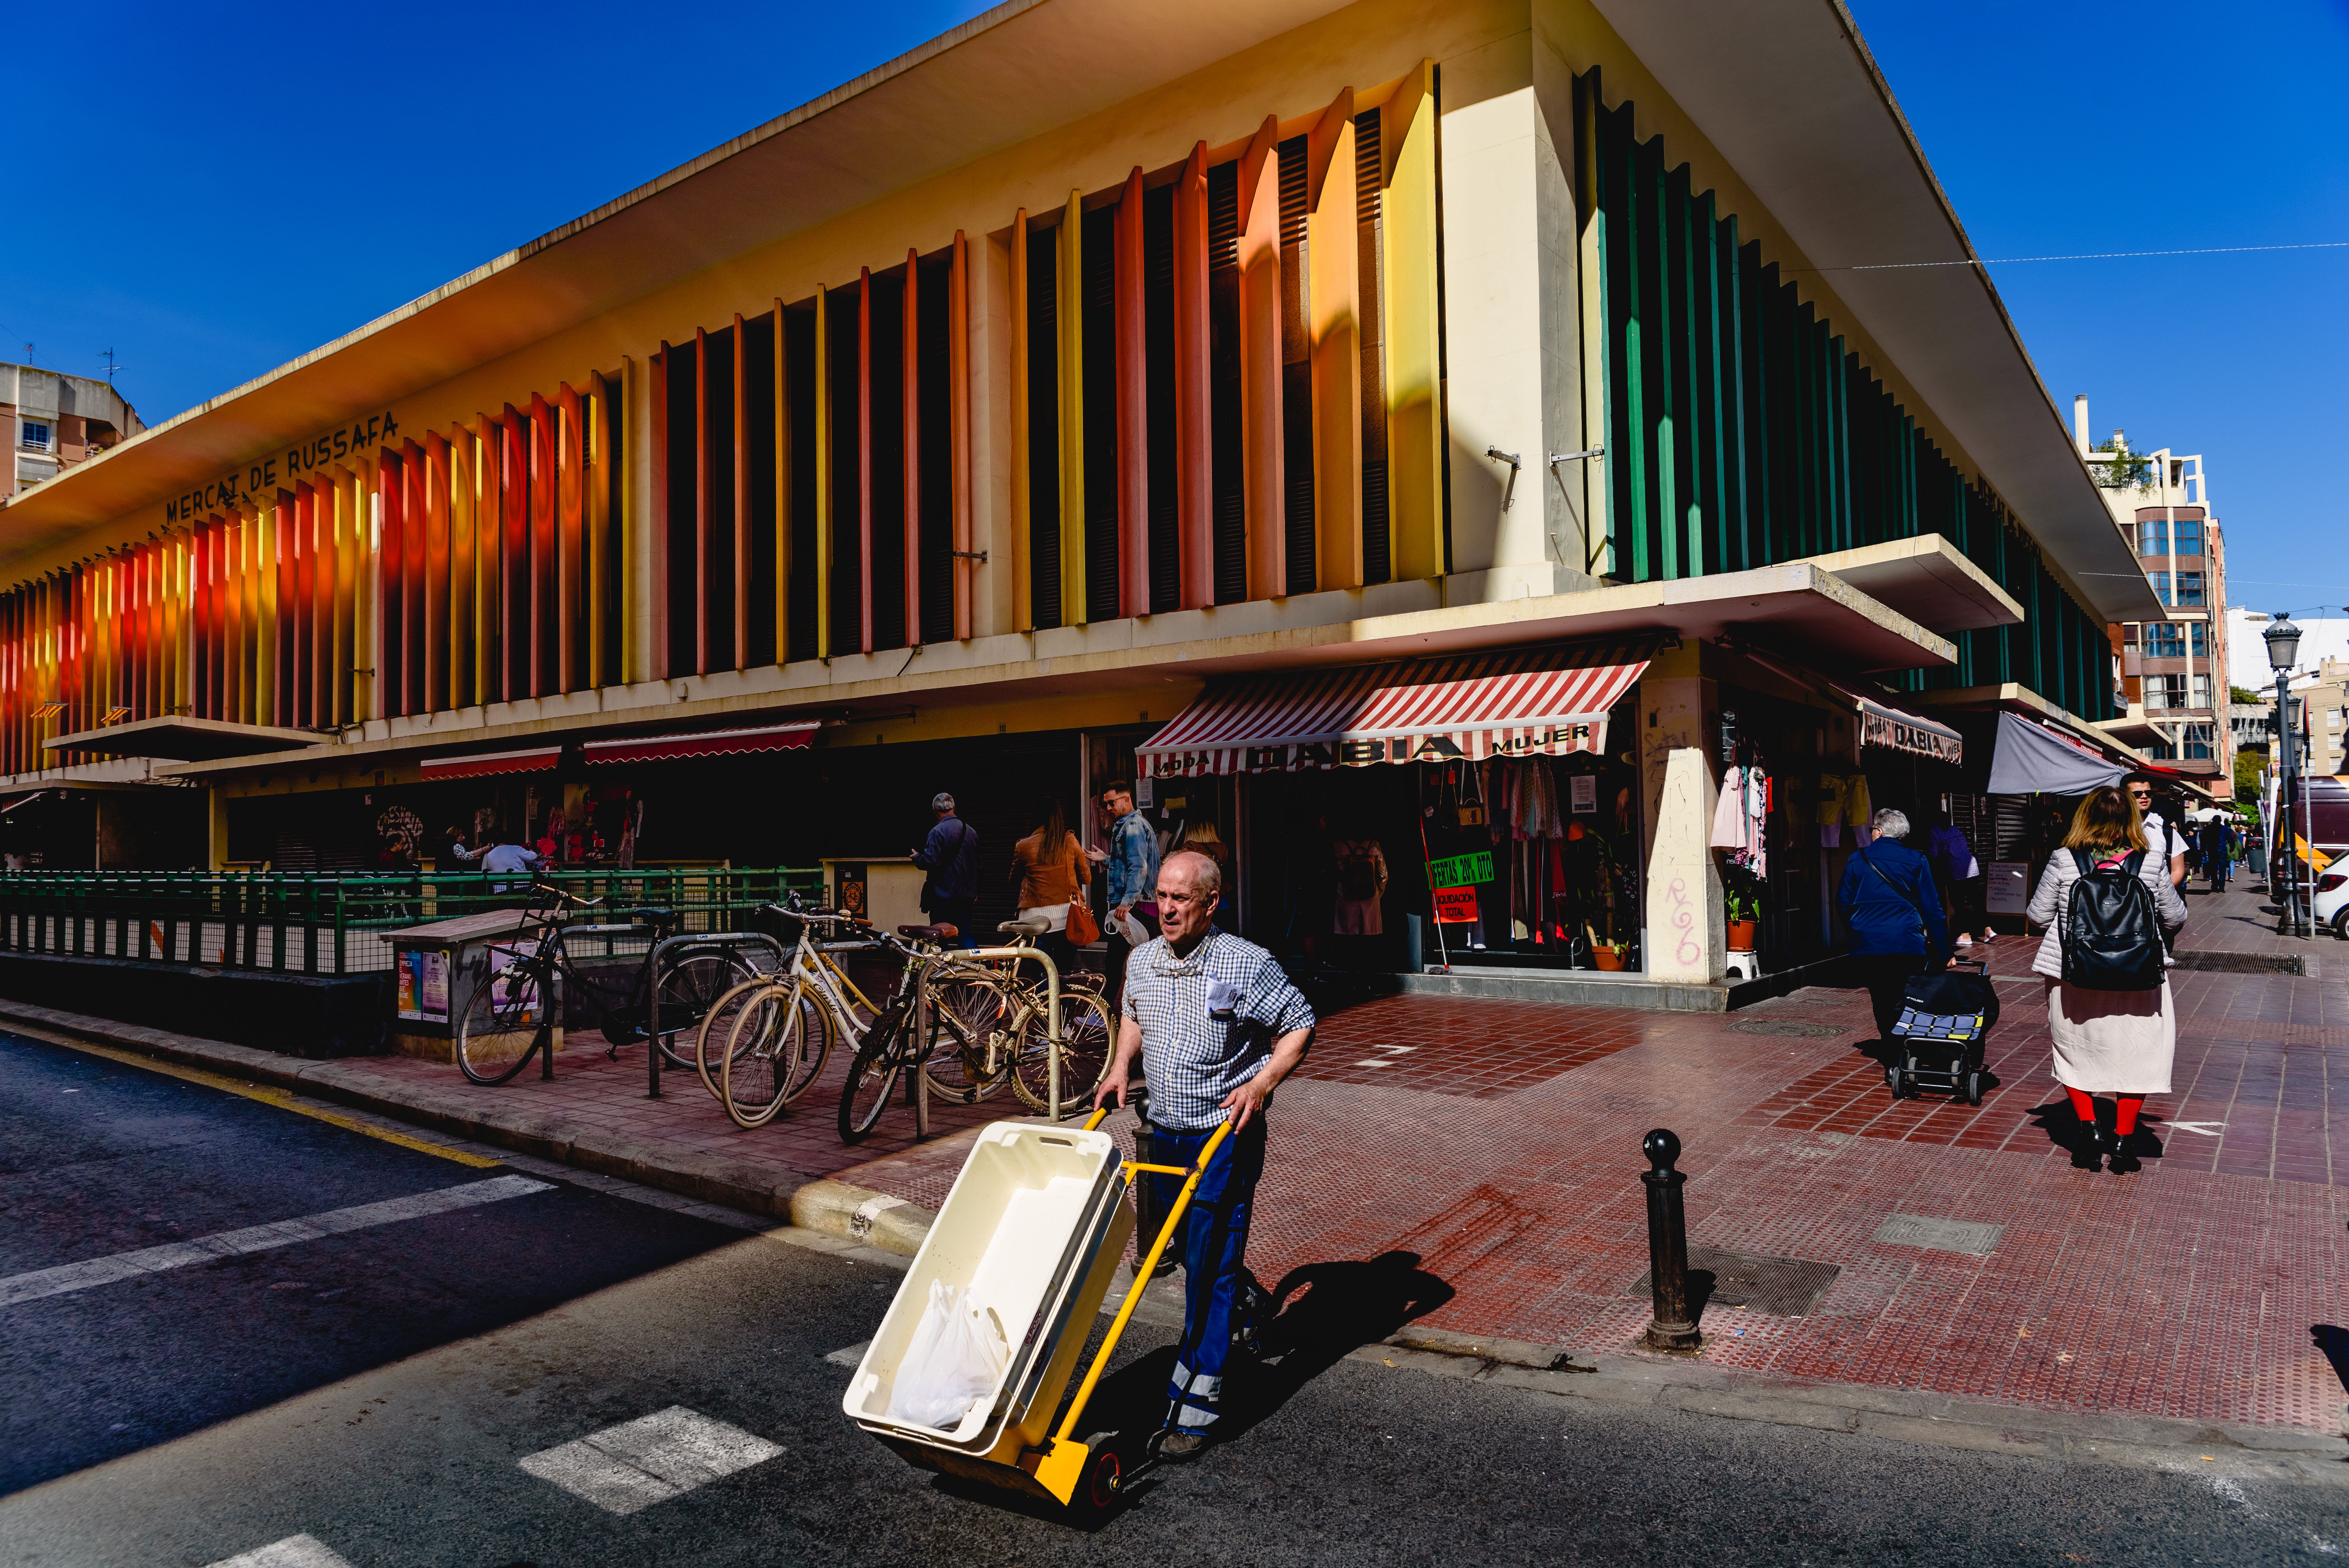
column 2198, row 742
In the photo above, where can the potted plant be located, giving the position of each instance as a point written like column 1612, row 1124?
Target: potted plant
column 1744, row 907
column 1604, row 952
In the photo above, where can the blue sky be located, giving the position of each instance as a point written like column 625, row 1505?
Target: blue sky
column 219, row 188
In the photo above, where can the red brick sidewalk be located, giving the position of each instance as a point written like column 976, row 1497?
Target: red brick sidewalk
column 1498, row 1143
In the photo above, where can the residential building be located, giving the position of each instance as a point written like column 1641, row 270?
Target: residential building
column 2327, row 700
column 51, row 421
column 2175, row 672
column 1372, row 415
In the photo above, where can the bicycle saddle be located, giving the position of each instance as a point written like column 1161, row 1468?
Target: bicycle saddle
column 1033, row 926
column 653, row 916
column 929, row 933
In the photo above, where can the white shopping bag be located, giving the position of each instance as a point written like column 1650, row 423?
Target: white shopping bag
column 956, row 1359
column 1130, row 928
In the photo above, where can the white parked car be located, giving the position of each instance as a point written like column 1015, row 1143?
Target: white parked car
column 2331, row 901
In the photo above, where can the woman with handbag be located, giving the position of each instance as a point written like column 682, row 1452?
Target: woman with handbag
column 2114, row 1041
column 1049, row 869
column 1895, row 914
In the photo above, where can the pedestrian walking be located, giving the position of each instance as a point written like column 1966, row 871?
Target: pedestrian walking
column 1964, row 890
column 1048, row 868
column 1894, row 910
column 950, row 855
column 2107, row 1041
column 1130, row 868
column 2163, row 841
column 1217, row 1026
column 2217, row 852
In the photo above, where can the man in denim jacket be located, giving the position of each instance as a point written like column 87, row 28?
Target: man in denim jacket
column 1131, row 869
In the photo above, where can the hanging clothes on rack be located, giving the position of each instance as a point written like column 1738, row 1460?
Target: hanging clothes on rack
column 1739, row 819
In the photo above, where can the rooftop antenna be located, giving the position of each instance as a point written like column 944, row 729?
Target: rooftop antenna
column 110, row 366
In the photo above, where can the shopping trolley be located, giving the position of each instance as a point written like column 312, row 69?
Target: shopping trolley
column 1944, row 1025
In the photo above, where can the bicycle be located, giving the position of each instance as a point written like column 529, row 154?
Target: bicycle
column 777, row 1031
column 526, row 984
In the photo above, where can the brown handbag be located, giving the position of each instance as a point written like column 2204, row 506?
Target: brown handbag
column 1083, row 930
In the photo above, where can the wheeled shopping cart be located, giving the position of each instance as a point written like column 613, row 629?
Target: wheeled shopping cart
column 1034, row 1229
column 1944, row 1025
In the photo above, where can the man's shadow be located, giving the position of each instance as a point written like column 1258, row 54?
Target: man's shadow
column 2066, row 1130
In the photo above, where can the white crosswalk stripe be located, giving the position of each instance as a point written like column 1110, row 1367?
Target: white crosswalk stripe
column 850, row 1356
column 293, row 1552
column 639, row 1463
column 90, row 1271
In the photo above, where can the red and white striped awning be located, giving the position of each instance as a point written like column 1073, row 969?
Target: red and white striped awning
column 537, row 760
column 706, row 744
column 1517, row 702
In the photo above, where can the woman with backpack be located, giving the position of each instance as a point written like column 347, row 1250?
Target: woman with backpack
column 2107, row 903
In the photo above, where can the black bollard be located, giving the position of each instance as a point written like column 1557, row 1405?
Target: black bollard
column 1667, row 1245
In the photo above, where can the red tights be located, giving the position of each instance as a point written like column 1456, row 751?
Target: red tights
column 2124, row 1113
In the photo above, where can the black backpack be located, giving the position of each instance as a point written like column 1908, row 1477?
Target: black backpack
column 2112, row 941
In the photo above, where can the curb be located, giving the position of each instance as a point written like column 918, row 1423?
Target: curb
column 455, row 1112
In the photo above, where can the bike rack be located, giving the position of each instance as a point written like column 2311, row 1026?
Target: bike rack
column 1052, row 1012
column 652, row 989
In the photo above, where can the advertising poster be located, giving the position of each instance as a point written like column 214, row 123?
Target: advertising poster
column 2007, row 888
column 1455, row 906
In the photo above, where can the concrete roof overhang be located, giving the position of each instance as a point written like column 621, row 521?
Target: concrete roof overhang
column 1926, row 579
column 1018, row 70
column 1805, row 609
column 1788, row 93
column 184, row 739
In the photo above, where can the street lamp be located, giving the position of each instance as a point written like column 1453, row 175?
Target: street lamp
column 2282, row 638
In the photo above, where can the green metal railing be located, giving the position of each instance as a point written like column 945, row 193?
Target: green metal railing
column 319, row 924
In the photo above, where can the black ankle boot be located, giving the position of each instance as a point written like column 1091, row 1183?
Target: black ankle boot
column 2122, row 1161
column 2088, row 1154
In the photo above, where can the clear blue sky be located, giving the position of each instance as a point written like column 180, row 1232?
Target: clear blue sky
column 215, row 190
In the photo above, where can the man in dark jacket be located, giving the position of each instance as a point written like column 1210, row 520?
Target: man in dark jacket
column 2217, row 852
column 951, row 858
column 1895, row 912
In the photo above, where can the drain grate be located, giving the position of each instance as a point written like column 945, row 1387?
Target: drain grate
column 1939, row 1235
column 1782, row 1287
column 2244, row 963
column 1789, row 1028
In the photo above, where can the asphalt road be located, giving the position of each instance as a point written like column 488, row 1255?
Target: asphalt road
column 389, row 1424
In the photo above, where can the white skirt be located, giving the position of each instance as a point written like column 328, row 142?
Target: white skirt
column 2112, row 1041
column 1057, row 914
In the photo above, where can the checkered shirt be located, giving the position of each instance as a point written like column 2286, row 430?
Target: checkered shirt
column 1193, row 1060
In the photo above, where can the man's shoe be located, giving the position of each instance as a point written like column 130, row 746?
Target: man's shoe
column 2089, row 1154
column 1183, row 1446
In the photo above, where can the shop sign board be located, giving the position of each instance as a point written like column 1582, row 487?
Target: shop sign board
column 1455, row 906
column 1461, row 869
column 2006, row 886
column 1901, row 732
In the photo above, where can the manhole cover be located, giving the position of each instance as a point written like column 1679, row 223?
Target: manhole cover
column 1787, row 1026
column 1782, row 1287
column 1939, row 1235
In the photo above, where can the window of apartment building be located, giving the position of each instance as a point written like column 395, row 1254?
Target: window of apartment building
column 2157, row 536
column 2162, row 752
column 2198, row 691
column 2165, row 639
column 2165, row 692
column 37, row 436
column 2186, row 593
column 2198, row 743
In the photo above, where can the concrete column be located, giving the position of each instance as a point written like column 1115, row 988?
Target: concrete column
column 216, row 828
column 1686, row 938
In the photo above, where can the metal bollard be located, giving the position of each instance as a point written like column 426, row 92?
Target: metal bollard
column 1667, row 1245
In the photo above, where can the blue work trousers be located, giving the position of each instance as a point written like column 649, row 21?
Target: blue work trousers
column 1212, row 1239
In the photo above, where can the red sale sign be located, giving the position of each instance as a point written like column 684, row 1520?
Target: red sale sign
column 1455, row 906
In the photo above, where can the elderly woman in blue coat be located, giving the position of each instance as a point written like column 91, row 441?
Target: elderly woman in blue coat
column 1894, row 910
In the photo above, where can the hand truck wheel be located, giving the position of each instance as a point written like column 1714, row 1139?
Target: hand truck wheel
column 1973, row 1088
column 1104, row 1473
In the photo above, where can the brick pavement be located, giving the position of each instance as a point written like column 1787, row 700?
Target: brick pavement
column 1499, row 1154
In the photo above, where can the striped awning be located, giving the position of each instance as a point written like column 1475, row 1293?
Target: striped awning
column 1517, row 702
column 706, row 743
column 537, row 760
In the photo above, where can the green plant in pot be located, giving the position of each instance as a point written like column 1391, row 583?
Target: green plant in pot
column 1743, row 907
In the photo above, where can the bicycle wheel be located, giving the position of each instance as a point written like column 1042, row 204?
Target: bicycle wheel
column 691, row 984
column 786, row 1023
column 499, row 1030
column 738, row 1022
column 880, row 1061
column 963, row 1065
column 1086, row 1039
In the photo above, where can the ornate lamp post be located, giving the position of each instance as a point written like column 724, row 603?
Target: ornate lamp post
column 2282, row 638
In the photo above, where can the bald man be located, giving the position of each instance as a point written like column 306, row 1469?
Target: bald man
column 1217, row 1026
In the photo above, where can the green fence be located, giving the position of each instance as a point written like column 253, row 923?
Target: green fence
column 335, row 925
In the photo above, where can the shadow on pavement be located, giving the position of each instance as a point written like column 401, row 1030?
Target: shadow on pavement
column 2064, row 1129
column 2333, row 1341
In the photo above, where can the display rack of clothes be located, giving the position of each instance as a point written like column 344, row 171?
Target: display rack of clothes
column 1741, row 818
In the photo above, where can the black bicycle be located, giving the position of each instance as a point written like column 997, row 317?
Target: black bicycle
column 509, row 1017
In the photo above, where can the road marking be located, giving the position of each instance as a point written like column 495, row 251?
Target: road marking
column 639, row 1463
column 293, row 1552
column 268, row 1095
column 69, row 1277
column 2206, row 1129
column 850, row 1356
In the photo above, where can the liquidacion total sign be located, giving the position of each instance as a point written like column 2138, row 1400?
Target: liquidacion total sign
column 251, row 487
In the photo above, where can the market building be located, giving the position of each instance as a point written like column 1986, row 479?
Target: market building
column 1465, row 429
